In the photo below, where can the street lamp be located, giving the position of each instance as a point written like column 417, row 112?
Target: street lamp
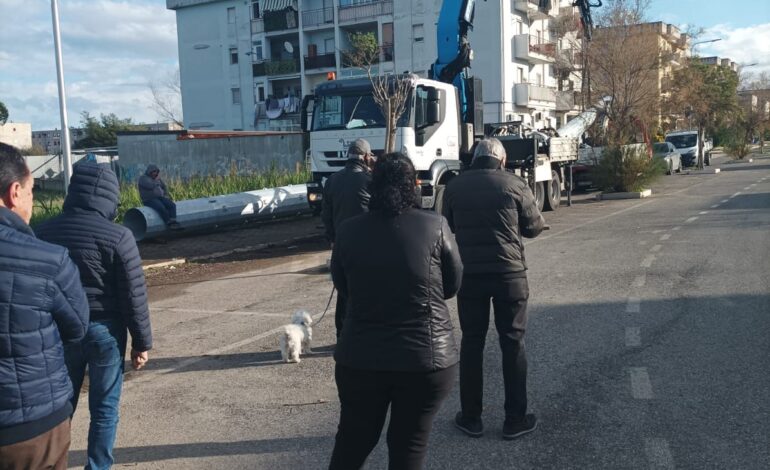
column 692, row 46
column 65, row 129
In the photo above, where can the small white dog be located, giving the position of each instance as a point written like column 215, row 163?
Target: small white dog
column 296, row 336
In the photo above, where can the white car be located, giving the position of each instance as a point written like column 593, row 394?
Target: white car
column 667, row 152
column 686, row 144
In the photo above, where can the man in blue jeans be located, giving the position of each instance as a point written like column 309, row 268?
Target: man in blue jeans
column 154, row 194
column 111, row 273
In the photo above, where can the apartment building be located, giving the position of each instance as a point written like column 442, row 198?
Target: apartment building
column 50, row 139
column 720, row 61
column 246, row 65
column 18, row 134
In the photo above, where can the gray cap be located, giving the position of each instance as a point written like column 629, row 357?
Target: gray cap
column 359, row 147
column 490, row 147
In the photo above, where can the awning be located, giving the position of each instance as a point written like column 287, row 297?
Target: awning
column 279, row 5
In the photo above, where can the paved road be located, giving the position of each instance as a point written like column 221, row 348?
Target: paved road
column 648, row 343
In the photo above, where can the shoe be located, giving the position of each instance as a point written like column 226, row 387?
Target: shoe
column 515, row 428
column 472, row 427
column 174, row 225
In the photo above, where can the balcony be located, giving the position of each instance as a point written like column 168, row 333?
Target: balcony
column 321, row 61
column 534, row 96
column 531, row 7
column 281, row 20
column 361, row 11
column 320, row 17
column 534, row 50
column 257, row 26
column 281, row 67
column 565, row 100
column 258, row 69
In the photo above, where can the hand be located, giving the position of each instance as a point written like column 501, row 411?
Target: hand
column 139, row 359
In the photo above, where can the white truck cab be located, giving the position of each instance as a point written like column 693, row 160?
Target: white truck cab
column 686, row 144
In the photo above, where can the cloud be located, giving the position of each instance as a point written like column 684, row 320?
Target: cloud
column 743, row 45
column 111, row 49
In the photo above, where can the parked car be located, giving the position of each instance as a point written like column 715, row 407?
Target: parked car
column 667, row 152
column 686, row 144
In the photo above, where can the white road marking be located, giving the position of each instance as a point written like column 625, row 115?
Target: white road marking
column 747, row 188
column 642, row 243
column 752, row 185
column 641, row 387
column 724, row 201
column 676, row 229
column 691, row 219
column 703, row 212
column 656, row 248
column 655, row 232
column 639, row 281
column 633, row 337
column 735, row 195
column 715, row 206
column 658, row 453
column 647, row 262
column 222, row 312
column 665, row 237
column 633, row 305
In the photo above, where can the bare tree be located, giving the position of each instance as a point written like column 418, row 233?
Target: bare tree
column 167, row 98
column 390, row 91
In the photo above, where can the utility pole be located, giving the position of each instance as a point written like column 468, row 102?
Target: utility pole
column 65, row 129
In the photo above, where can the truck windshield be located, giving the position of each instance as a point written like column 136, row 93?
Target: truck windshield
column 683, row 141
column 349, row 112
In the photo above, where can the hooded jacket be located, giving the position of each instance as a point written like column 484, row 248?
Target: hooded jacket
column 41, row 304
column 489, row 210
column 346, row 194
column 151, row 188
column 105, row 252
column 396, row 273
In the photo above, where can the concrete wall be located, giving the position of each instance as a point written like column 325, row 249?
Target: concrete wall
column 181, row 159
column 18, row 134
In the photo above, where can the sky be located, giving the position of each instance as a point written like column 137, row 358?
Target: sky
column 113, row 49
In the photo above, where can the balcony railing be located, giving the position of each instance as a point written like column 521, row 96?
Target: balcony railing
column 281, row 67
column 257, row 26
column 565, row 100
column 526, row 93
column 318, row 17
column 258, row 69
column 320, row 61
column 365, row 10
column 281, row 20
column 530, row 6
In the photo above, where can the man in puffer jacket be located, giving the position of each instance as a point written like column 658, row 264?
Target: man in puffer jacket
column 154, row 194
column 111, row 272
column 42, row 304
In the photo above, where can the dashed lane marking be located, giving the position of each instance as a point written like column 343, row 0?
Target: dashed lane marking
column 656, row 248
column 633, row 305
column 665, row 237
column 658, row 454
column 703, row 212
column 691, row 220
column 633, row 337
column 676, row 229
column 647, row 262
column 641, row 387
column 715, row 206
column 639, row 281
column 735, row 195
column 724, row 201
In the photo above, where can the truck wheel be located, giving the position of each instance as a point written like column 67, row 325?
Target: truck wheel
column 438, row 198
column 539, row 195
column 553, row 192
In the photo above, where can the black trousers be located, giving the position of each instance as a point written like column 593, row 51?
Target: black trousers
column 509, row 294
column 414, row 398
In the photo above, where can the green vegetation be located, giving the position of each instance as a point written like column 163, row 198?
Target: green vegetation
column 49, row 204
column 627, row 169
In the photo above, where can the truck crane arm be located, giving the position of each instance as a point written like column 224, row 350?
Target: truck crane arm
column 585, row 15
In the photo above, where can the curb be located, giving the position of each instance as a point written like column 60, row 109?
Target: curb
column 631, row 195
column 165, row 264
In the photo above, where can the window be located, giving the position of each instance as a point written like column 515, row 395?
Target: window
column 255, row 13
column 259, row 93
column 231, row 15
column 256, row 51
column 329, row 46
column 418, row 33
column 521, row 75
column 236, row 92
column 233, row 55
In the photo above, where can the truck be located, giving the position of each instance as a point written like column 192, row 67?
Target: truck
column 442, row 121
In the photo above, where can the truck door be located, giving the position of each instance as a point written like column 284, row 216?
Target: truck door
column 429, row 115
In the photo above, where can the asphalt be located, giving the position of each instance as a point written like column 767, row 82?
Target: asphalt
column 647, row 344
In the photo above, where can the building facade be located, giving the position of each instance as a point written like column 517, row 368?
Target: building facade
column 247, row 65
column 50, row 140
column 18, row 134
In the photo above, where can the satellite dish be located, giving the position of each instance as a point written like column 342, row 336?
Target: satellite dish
column 288, row 47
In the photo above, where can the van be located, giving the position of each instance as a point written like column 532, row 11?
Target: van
column 686, row 144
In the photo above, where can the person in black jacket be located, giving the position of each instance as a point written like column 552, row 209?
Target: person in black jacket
column 489, row 209
column 42, row 305
column 346, row 194
column 111, row 272
column 396, row 266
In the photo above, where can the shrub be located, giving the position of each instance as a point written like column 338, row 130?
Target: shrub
column 623, row 169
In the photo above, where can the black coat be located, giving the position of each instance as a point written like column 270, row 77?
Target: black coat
column 397, row 273
column 41, row 305
column 105, row 252
column 489, row 210
column 346, row 194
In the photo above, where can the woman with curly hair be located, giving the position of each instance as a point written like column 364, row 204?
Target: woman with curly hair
column 397, row 265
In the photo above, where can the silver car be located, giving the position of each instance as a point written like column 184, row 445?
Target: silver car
column 667, row 152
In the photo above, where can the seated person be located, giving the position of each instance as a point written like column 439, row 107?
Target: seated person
column 154, row 194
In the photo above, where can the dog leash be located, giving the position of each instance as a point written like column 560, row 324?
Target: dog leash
column 327, row 307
